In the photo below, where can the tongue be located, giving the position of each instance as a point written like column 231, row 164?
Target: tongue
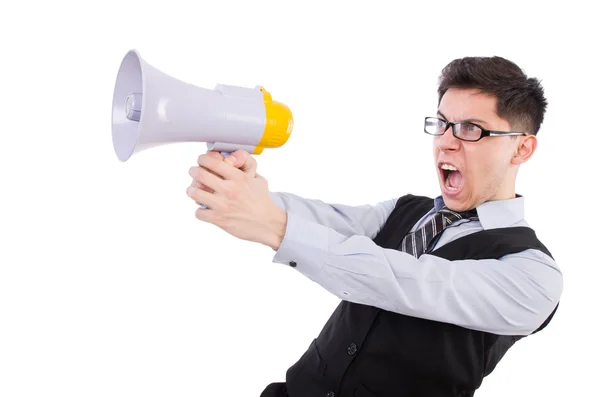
column 455, row 179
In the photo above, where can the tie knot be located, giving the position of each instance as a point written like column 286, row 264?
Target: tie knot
column 454, row 215
column 417, row 242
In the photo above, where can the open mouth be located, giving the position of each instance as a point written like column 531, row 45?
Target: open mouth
column 452, row 177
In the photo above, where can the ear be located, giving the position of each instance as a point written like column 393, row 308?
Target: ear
column 525, row 148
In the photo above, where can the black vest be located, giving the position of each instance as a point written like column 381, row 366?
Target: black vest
column 363, row 351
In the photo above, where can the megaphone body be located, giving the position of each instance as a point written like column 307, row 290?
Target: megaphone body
column 151, row 108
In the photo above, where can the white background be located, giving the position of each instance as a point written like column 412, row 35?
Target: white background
column 109, row 286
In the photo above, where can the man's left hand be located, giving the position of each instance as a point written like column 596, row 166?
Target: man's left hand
column 239, row 204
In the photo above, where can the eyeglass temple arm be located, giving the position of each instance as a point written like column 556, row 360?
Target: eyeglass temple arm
column 503, row 133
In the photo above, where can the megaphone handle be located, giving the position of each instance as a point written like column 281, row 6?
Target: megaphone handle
column 224, row 154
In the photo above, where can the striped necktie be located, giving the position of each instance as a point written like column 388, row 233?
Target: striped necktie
column 416, row 243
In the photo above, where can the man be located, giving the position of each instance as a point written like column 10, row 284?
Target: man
column 434, row 290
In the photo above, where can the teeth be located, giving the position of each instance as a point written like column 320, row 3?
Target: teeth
column 448, row 167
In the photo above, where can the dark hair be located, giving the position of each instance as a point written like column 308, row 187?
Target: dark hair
column 520, row 99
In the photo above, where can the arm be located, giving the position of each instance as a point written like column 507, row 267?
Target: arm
column 364, row 220
column 513, row 295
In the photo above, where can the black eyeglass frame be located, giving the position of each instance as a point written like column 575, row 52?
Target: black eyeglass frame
column 484, row 132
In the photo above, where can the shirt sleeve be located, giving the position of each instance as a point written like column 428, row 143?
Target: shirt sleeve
column 510, row 296
column 347, row 220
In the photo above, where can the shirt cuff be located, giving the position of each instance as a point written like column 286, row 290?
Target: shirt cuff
column 305, row 246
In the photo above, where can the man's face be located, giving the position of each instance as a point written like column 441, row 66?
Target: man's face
column 486, row 170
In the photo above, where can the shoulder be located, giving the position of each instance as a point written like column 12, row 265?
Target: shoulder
column 409, row 201
column 413, row 198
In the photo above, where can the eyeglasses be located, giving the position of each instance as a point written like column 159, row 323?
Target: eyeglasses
column 466, row 131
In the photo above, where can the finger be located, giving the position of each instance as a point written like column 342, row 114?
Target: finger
column 215, row 154
column 207, row 215
column 204, row 177
column 243, row 160
column 222, row 168
column 201, row 186
column 212, row 173
column 240, row 159
column 202, row 197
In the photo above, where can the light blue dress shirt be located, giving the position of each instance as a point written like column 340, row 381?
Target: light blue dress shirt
column 331, row 244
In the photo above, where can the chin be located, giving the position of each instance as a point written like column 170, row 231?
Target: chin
column 451, row 201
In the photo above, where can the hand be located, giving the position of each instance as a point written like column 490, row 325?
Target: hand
column 238, row 199
column 241, row 160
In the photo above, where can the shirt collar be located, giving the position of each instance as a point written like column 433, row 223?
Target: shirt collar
column 497, row 213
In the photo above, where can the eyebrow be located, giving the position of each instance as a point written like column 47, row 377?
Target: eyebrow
column 469, row 120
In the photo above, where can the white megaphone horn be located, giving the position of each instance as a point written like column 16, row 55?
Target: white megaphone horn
column 151, row 108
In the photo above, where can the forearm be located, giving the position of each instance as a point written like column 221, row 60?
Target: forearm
column 509, row 296
column 365, row 220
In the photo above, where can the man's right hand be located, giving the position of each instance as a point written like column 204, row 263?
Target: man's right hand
column 241, row 159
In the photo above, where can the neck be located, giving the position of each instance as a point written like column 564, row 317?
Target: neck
column 507, row 190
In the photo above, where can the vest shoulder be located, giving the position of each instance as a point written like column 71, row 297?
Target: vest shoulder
column 493, row 242
column 410, row 198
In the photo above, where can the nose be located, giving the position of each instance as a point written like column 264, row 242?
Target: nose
column 447, row 142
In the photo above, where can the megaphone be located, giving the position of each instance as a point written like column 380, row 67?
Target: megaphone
column 151, row 108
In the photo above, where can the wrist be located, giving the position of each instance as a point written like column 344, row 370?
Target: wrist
column 277, row 226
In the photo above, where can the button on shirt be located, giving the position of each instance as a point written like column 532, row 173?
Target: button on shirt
column 352, row 349
column 331, row 244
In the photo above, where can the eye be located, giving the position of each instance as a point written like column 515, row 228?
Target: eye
column 469, row 131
